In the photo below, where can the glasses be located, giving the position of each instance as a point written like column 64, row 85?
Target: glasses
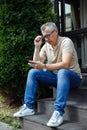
column 47, row 36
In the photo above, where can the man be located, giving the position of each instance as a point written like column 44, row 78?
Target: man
column 54, row 64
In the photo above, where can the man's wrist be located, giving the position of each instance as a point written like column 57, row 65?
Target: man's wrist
column 45, row 67
column 37, row 44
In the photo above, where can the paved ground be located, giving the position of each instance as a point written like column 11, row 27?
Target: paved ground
column 4, row 126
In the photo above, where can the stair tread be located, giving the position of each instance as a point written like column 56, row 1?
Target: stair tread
column 43, row 118
column 84, row 74
column 76, row 104
column 82, row 104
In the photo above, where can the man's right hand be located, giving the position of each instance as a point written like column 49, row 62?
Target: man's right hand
column 38, row 41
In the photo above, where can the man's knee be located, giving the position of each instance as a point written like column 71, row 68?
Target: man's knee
column 32, row 72
column 62, row 72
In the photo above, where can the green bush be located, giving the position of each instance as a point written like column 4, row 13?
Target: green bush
column 20, row 22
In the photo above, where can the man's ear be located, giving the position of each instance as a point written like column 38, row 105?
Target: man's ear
column 56, row 32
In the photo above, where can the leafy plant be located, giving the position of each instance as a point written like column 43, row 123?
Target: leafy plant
column 20, row 22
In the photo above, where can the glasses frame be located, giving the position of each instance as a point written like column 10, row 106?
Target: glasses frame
column 48, row 35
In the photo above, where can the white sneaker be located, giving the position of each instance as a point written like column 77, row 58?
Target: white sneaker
column 55, row 120
column 24, row 111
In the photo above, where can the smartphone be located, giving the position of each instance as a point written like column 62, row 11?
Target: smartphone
column 28, row 60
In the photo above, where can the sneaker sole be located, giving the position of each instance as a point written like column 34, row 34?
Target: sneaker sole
column 24, row 115
column 54, row 125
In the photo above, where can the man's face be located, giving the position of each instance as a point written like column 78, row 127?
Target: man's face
column 50, row 36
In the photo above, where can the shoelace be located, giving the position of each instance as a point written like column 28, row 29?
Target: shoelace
column 23, row 108
column 55, row 116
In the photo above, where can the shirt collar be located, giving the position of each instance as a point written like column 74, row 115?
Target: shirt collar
column 58, row 43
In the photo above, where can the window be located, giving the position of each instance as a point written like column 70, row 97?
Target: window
column 73, row 23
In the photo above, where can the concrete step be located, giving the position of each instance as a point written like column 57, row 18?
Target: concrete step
column 38, row 122
column 74, row 111
column 84, row 80
column 78, row 94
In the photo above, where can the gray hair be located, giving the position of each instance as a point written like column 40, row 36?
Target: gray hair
column 51, row 25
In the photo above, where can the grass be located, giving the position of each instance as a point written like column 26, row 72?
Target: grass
column 6, row 113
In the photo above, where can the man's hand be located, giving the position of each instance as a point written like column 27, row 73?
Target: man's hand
column 37, row 64
column 38, row 41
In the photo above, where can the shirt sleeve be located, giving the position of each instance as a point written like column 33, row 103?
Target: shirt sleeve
column 43, row 51
column 67, row 46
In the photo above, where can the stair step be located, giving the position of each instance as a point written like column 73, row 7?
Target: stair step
column 78, row 94
column 74, row 111
column 38, row 122
column 84, row 80
column 47, row 105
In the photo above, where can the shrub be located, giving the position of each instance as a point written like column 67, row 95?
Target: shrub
column 20, row 22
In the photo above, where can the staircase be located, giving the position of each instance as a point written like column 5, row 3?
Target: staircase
column 75, row 117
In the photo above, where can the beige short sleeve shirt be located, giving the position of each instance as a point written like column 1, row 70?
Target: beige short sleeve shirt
column 54, row 55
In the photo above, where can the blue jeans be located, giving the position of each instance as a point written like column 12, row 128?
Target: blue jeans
column 62, row 81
